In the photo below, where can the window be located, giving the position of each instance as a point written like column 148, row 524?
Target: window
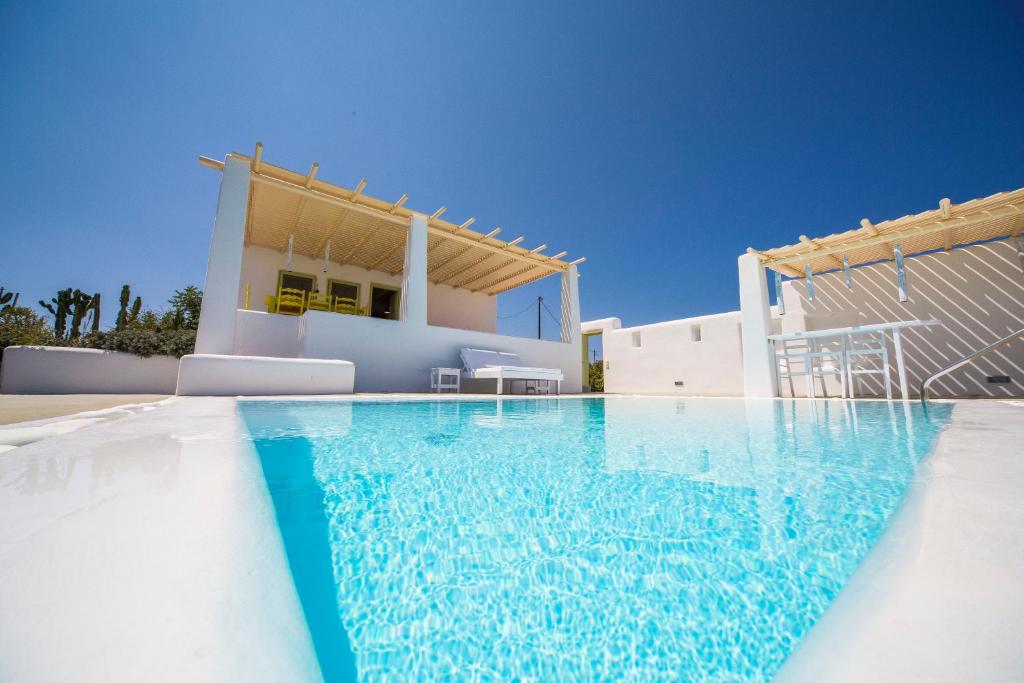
column 636, row 340
column 287, row 279
column 384, row 302
column 340, row 289
column 695, row 332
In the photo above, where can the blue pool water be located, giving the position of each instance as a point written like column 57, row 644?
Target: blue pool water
column 578, row 539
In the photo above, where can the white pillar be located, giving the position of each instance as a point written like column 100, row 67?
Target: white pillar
column 216, row 333
column 571, row 325
column 413, row 307
column 758, row 362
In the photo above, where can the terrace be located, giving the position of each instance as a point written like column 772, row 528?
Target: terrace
column 303, row 268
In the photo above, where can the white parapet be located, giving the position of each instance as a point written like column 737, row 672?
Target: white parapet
column 58, row 370
column 219, row 375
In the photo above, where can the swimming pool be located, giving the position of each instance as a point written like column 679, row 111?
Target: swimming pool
column 577, row 539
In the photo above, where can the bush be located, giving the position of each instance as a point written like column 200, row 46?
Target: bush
column 143, row 342
column 597, row 376
column 21, row 326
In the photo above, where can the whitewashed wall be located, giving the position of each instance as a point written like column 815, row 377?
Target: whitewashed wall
column 55, row 370
column 391, row 355
column 446, row 306
column 651, row 359
column 267, row 334
column 976, row 292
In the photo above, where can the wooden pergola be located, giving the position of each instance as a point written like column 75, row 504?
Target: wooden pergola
column 948, row 226
column 323, row 220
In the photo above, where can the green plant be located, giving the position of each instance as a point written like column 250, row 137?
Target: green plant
column 23, row 326
column 127, row 316
column 76, row 304
column 81, row 305
column 143, row 342
column 596, row 376
column 58, row 307
column 185, row 305
column 5, row 299
column 96, row 312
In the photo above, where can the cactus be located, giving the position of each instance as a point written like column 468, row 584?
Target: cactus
column 96, row 312
column 81, row 304
column 58, row 307
column 5, row 300
column 76, row 304
column 127, row 316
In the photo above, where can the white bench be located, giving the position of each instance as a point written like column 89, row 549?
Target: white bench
column 501, row 366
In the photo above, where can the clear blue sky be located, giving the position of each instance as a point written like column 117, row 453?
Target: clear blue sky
column 657, row 140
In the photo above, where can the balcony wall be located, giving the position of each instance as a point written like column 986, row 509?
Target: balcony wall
column 390, row 355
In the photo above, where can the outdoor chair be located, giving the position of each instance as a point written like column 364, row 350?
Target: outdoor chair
column 291, row 301
column 318, row 302
column 346, row 305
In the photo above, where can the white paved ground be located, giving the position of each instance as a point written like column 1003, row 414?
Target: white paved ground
column 145, row 549
column 940, row 598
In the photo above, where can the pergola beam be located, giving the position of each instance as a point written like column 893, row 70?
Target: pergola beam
column 358, row 191
column 399, row 219
column 459, row 253
column 334, row 231
column 359, row 245
column 815, row 247
column 504, row 278
column 487, row 273
column 947, row 235
column 787, row 270
column 876, row 238
column 398, row 204
column 310, row 177
column 477, row 263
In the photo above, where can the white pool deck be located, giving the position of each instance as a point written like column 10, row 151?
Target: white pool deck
column 145, row 548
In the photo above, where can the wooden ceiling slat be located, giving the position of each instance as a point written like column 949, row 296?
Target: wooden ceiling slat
column 370, row 232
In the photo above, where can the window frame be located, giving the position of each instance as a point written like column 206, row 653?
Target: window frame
column 334, row 281
column 281, row 274
column 398, row 300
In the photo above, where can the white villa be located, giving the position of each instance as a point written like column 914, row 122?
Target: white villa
column 314, row 288
column 301, row 268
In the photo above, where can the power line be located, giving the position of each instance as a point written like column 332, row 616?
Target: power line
column 529, row 307
column 550, row 313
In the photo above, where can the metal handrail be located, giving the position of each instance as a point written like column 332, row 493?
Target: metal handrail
column 965, row 360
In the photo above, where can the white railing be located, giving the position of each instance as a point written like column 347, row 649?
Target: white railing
column 970, row 358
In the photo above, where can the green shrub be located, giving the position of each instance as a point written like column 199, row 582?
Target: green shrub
column 21, row 326
column 596, row 376
column 143, row 342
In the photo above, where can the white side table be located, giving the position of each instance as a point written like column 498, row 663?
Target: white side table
column 443, row 380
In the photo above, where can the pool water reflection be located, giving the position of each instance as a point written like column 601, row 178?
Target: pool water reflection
column 578, row 539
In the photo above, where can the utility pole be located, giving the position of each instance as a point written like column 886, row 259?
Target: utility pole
column 540, row 302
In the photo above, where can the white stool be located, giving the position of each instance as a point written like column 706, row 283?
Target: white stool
column 444, row 380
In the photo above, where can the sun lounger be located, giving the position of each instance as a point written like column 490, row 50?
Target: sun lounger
column 501, row 366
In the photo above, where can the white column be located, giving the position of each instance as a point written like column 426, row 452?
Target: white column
column 413, row 307
column 758, row 363
column 216, row 333
column 571, row 325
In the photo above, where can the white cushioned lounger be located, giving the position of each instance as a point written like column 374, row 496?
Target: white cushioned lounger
column 502, row 365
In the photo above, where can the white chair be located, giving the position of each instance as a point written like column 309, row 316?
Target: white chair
column 863, row 346
column 810, row 358
column 502, row 366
